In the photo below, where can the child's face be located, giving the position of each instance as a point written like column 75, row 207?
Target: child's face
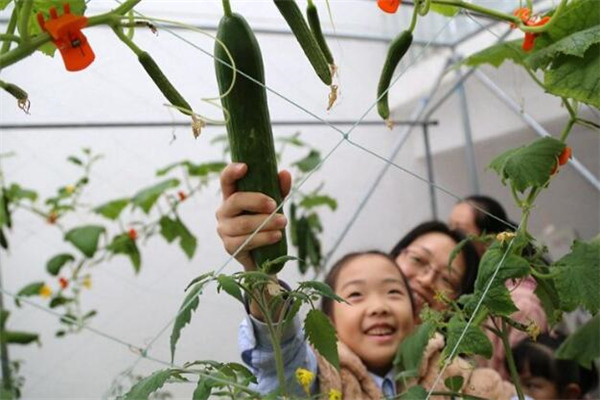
column 425, row 265
column 537, row 387
column 379, row 314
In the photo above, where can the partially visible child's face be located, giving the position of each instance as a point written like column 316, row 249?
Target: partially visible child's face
column 537, row 387
column 379, row 314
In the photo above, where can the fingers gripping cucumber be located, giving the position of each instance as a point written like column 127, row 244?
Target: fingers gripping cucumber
column 249, row 124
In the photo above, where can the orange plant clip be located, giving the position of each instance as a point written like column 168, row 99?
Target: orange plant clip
column 66, row 35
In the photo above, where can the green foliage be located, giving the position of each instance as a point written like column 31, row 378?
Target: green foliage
column 313, row 201
column 32, row 289
column 546, row 291
column 414, row 393
column 54, row 265
column 123, row 244
column 321, row 289
column 309, row 162
column 473, row 342
column 189, row 305
column 230, row 286
column 321, row 334
column 112, row 209
column 22, row 338
column 410, row 353
column 144, row 388
column 583, row 345
column 146, row 198
column 573, row 45
column 16, row 193
column 454, row 383
column 172, row 229
column 85, row 238
column 577, row 277
column 497, row 54
column 530, row 165
column 4, row 4
column 448, row 11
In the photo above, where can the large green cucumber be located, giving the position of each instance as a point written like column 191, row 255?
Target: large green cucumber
column 396, row 51
column 249, row 125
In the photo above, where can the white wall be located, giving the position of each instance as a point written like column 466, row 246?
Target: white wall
column 135, row 308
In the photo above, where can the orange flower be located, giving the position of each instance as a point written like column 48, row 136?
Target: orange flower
column 389, row 6
column 182, row 196
column 133, row 235
column 63, row 282
column 523, row 13
column 564, row 156
column 52, row 217
column 529, row 40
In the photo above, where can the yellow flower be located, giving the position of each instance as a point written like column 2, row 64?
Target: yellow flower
column 334, row 394
column 533, row 330
column 305, row 378
column 505, row 236
column 69, row 189
column 87, row 282
column 45, row 291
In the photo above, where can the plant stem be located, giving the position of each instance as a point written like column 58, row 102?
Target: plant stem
column 5, row 37
column 10, row 29
column 567, row 129
column 479, row 9
column 511, row 361
column 25, row 12
column 548, row 25
column 7, row 383
column 227, row 8
column 121, row 35
column 413, row 21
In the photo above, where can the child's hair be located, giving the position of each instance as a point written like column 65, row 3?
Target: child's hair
column 334, row 272
column 486, row 223
column 538, row 358
column 468, row 251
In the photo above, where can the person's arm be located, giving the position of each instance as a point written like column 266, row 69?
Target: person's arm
column 241, row 213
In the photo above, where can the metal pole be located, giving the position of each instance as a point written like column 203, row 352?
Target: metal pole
column 511, row 104
column 430, row 177
column 469, row 149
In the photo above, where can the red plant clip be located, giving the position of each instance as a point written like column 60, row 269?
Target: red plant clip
column 389, row 6
column 67, row 37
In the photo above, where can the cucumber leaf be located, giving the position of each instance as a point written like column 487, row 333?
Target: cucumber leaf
column 85, row 238
column 583, row 345
column 321, row 334
column 146, row 198
column 54, row 265
column 172, row 229
column 144, row 388
column 473, row 342
column 112, row 209
column 123, row 244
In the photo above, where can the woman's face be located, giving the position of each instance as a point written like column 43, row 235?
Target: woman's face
column 425, row 264
column 379, row 312
column 462, row 218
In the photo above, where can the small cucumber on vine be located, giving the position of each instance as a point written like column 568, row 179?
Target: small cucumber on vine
column 315, row 26
column 396, row 51
column 161, row 81
column 248, row 124
column 292, row 14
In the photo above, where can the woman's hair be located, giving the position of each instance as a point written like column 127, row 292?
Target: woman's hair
column 334, row 272
column 468, row 251
column 490, row 221
column 538, row 358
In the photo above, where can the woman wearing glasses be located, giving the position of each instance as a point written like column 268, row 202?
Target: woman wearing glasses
column 423, row 255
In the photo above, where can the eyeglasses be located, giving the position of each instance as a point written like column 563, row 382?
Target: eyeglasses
column 422, row 263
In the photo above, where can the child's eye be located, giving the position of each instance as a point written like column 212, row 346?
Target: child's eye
column 354, row 294
column 396, row 291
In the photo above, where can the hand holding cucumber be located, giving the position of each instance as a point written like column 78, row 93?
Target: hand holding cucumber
column 242, row 212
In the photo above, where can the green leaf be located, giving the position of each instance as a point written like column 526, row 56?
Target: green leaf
column 203, row 277
column 292, row 140
column 203, row 388
column 43, row 6
column 549, row 298
column 3, row 240
column 205, row 169
column 575, row 44
column 496, row 55
column 172, row 229
column 272, row 266
column 302, row 229
column 414, row 393
column 411, row 350
column 16, row 193
column 33, row 289
column 230, row 286
column 322, row 289
column 75, row 160
column 528, row 166
column 22, row 338
column 512, row 266
column 85, row 238
column 583, row 345
column 146, row 198
column 184, row 315
column 309, row 162
column 144, row 388
column 577, row 275
column 473, row 342
column 576, row 77
column 54, row 265
column 321, row 334
column 112, row 209
column 4, row 4
column 454, row 383
column 123, row 244
column 315, row 201
column 5, row 218
column 3, row 317
column 447, row 11
column 59, row 300
column 498, row 300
